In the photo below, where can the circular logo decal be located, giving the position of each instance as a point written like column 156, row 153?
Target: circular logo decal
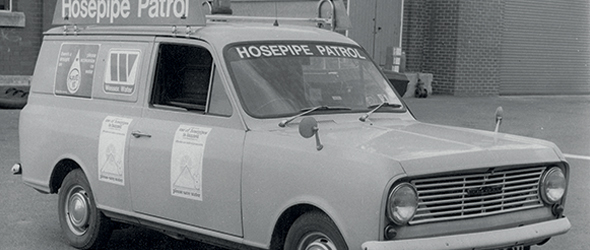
column 73, row 80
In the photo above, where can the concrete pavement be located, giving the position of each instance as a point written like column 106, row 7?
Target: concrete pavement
column 564, row 120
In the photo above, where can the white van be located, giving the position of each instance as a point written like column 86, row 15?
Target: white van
column 257, row 133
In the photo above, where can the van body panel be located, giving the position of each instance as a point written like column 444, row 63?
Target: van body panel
column 160, row 170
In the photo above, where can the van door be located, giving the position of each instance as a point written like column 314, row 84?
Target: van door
column 186, row 150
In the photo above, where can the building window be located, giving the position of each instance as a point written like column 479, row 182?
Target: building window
column 9, row 17
column 5, row 5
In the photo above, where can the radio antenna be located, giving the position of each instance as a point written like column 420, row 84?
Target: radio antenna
column 276, row 23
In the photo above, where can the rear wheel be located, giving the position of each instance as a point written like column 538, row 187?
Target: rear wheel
column 314, row 231
column 84, row 225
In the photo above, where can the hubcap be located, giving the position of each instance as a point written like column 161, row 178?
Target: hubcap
column 77, row 210
column 316, row 241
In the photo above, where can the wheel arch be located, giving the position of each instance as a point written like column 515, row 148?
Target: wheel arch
column 286, row 220
column 61, row 169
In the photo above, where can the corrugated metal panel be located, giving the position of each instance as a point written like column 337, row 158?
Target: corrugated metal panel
column 362, row 15
column 376, row 25
column 546, row 47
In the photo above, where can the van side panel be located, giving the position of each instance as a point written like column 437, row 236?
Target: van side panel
column 34, row 119
column 61, row 123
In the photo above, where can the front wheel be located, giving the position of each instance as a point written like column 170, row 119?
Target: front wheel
column 84, row 225
column 314, row 231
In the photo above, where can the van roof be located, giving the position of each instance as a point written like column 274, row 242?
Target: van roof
column 218, row 33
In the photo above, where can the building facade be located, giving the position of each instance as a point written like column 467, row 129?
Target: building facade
column 20, row 36
column 472, row 47
column 500, row 47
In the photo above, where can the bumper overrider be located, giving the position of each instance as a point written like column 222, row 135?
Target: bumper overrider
column 524, row 235
column 17, row 169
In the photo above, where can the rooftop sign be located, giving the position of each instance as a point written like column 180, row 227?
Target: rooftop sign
column 129, row 12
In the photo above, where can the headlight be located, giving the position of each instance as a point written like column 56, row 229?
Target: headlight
column 553, row 185
column 402, row 203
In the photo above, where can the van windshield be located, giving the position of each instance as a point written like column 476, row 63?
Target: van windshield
column 282, row 79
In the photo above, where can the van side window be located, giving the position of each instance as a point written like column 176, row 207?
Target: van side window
column 183, row 80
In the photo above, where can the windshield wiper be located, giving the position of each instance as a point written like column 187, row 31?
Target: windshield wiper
column 306, row 111
column 377, row 107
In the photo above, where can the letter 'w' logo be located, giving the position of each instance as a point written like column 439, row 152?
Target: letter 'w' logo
column 122, row 67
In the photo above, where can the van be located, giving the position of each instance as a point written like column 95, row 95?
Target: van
column 263, row 133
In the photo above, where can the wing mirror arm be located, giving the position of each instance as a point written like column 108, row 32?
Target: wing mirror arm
column 308, row 127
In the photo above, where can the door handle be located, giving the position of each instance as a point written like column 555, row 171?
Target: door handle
column 138, row 134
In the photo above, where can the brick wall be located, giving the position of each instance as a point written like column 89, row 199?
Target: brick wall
column 440, row 57
column 19, row 46
column 458, row 41
column 415, row 27
column 478, row 47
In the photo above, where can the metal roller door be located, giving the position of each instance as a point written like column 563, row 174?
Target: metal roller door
column 545, row 47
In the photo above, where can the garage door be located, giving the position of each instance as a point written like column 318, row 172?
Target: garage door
column 546, row 47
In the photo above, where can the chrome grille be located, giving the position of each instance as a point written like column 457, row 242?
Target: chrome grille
column 469, row 195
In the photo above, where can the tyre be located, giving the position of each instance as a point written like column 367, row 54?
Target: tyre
column 84, row 225
column 314, row 231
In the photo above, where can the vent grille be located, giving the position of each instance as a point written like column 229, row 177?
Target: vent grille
column 468, row 195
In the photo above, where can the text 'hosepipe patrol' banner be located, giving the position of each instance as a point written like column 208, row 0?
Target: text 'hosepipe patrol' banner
column 129, row 12
column 293, row 49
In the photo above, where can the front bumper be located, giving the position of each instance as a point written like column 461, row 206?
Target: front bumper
column 529, row 234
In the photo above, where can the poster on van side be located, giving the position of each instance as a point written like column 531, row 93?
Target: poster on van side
column 111, row 149
column 186, row 164
column 75, row 70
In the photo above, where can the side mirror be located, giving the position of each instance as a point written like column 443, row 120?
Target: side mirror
column 308, row 127
column 499, row 116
